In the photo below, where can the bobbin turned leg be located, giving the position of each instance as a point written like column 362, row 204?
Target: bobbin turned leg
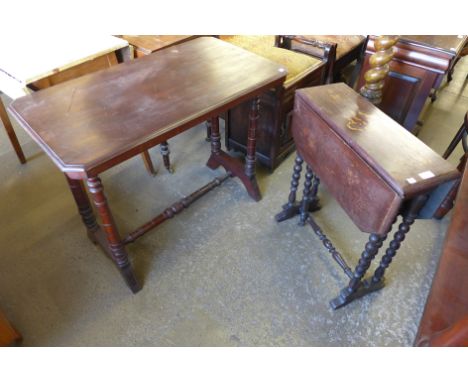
column 84, row 207
column 292, row 207
column 304, row 208
column 165, row 154
column 115, row 246
column 355, row 288
column 11, row 133
column 403, row 229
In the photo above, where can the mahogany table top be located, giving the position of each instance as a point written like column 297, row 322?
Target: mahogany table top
column 407, row 164
column 94, row 122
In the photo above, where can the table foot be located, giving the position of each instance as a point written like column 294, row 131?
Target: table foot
column 365, row 288
column 235, row 167
column 289, row 211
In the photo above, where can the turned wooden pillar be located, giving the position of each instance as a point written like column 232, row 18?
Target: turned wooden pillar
column 379, row 68
column 114, row 243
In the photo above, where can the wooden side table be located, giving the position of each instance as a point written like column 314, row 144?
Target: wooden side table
column 26, row 65
column 373, row 167
column 416, row 71
column 82, row 125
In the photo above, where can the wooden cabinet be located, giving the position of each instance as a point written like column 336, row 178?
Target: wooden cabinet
column 418, row 67
column 274, row 139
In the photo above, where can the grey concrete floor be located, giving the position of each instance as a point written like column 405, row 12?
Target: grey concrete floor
column 222, row 273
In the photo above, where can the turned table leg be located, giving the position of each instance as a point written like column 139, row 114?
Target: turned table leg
column 165, row 154
column 11, row 133
column 116, row 247
column 84, row 207
column 292, row 207
column 250, row 159
column 304, row 208
column 355, row 288
column 233, row 166
column 403, row 229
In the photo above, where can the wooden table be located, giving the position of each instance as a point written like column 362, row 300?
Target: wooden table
column 35, row 62
column 416, row 71
column 83, row 124
column 373, row 167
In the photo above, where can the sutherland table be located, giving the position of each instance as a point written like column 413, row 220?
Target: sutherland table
column 95, row 122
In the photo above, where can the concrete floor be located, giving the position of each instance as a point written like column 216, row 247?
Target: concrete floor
column 222, row 273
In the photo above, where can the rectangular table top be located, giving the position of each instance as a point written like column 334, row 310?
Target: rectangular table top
column 93, row 122
column 26, row 59
column 407, row 164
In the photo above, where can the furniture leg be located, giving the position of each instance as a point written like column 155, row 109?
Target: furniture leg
column 116, row 247
column 251, row 138
column 148, row 162
column 165, row 154
column 403, row 229
column 356, row 288
column 458, row 137
column 232, row 165
column 84, row 207
column 208, row 130
column 11, row 133
column 292, row 207
column 304, row 208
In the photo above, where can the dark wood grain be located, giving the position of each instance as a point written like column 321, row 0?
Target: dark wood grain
column 371, row 165
column 366, row 130
column 94, row 122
